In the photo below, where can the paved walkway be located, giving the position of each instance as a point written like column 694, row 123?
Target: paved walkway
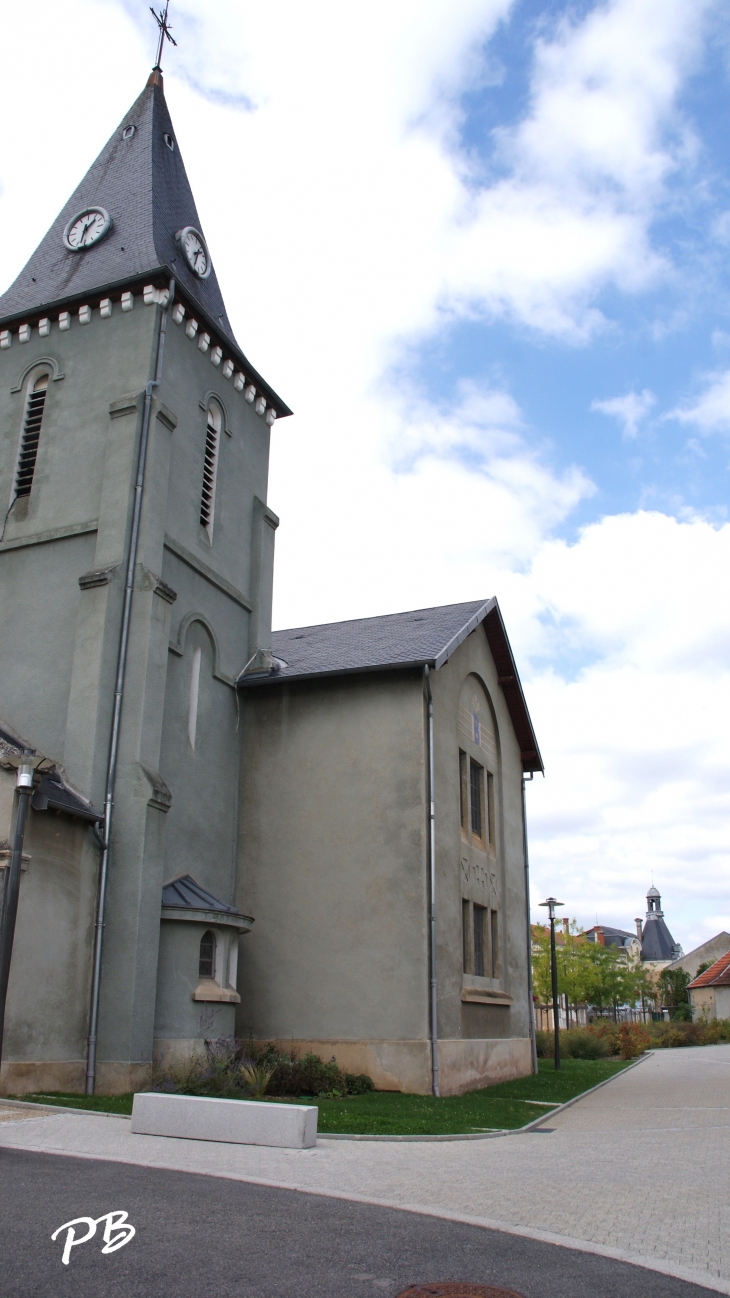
column 636, row 1171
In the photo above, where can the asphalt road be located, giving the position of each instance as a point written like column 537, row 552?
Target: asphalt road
column 205, row 1237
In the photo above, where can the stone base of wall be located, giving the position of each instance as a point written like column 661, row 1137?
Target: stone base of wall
column 28, row 1078
column 467, row 1065
column 464, row 1065
column 169, row 1052
column 22, row 1077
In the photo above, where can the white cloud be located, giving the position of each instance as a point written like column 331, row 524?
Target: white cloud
column 629, row 410
column 347, row 225
column 711, row 411
column 638, row 765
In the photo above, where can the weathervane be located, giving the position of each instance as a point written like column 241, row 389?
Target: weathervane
column 161, row 20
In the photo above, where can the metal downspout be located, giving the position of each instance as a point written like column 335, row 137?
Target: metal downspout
column 533, row 1038
column 432, row 893
column 118, row 697
column 11, row 883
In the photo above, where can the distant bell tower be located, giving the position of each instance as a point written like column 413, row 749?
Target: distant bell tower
column 657, row 943
column 136, row 569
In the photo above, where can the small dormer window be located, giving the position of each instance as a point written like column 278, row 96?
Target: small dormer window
column 31, row 436
column 210, row 467
column 206, row 964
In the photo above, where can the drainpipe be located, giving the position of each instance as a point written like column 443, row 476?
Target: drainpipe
column 432, row 893
column 11, row 882
column 533, row 1038
column 118, row 698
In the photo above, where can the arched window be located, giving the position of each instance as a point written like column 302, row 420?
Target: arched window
column 31, row 436
column 206, row 965
column 210, row 468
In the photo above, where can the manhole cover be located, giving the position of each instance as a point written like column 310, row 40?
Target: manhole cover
column 453, row 1289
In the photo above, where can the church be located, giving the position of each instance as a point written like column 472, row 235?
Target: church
column 317, row 837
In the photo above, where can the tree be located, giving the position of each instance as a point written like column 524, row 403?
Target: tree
column 673, row 984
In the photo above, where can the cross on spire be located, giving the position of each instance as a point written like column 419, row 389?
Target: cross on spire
column 161, row 20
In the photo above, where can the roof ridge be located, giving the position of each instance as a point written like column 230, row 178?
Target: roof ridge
column 379, row 617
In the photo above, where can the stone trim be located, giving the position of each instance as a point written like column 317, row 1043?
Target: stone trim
column 199, row 566
column 53, row 534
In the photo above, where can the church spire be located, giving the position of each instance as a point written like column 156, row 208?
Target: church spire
column 132, row 217
column 155, row 77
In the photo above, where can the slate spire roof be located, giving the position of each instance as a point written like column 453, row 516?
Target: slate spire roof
column 141, row 182
column 657, row 942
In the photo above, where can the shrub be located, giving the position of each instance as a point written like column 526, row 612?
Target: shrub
column 676, row 1033
column 545, row 1044
column 583, row 1043
column 609, row 1032
column 236, row 1070
column 257, row 1078
column 577, row 1043
column 359, row 1083
column 634, row 1039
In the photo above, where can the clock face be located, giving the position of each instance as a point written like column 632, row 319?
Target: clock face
column 86, row 229
column 195, row 251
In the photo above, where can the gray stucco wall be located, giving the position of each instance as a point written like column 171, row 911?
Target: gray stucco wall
column 58, row 641
column 332, row 860
column 499, row 878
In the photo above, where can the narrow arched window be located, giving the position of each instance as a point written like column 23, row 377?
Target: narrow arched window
column 206, row 965
column 31, row 436
column 210, row 468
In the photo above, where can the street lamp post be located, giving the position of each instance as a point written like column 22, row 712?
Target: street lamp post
column 551, row 903
column 12, row 883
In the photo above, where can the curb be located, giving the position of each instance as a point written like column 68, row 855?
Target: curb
column 491, row 1135
column 336, row 1135
column 60, row 1108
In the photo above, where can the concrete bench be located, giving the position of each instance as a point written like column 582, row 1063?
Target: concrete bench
column 240, row 1122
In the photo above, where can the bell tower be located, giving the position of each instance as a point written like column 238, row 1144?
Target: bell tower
column 136, row 562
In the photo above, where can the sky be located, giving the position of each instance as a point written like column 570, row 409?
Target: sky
column 481, row 249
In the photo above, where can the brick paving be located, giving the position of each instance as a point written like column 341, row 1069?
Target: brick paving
column 637, row 1170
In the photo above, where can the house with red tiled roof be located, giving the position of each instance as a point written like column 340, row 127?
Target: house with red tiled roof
column 709, row 994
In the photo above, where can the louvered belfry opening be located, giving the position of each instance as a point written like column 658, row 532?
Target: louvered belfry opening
column 207, row 500
column 31, row 437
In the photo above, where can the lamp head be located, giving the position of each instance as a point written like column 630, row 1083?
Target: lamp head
column 551, row 903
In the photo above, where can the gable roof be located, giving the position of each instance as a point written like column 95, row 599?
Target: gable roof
column 720, row 941
column 426, row 636
column 718, row 974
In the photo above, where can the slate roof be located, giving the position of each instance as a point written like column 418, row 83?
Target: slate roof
column 53, row 791
column 657, row 942
column 401, row 640
column 187, row 892
column 143, row 186
column 54, row 794
column 718, row 974
column 612, row 936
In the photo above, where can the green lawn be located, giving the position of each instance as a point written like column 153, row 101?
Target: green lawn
column 391, row 1113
